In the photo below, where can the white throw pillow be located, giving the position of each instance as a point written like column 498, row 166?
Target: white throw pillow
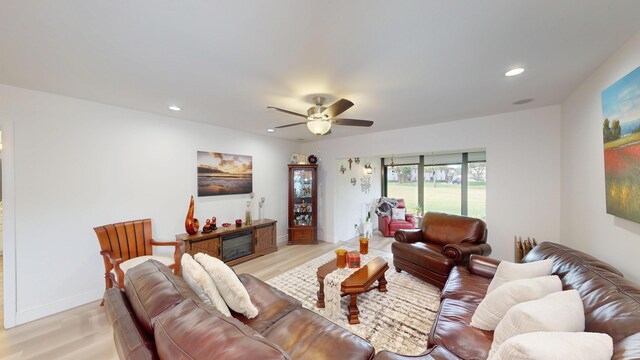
column 496, row 304
column 557, row 345
column 201, row 283
column 560, row 311
column 508, row 271
column 228, row 284
column 398, row 214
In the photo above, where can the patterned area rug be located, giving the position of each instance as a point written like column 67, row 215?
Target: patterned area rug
column 398, row 320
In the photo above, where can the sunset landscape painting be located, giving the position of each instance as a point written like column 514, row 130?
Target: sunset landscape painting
column 224, row 174
column 621, row 137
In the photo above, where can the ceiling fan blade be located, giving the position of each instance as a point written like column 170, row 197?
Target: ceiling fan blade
column 337, row 108
column 287, row 111
column 294, row 124
column 352, row 122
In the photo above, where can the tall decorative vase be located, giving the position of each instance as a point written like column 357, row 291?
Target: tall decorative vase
column 247, row 214
column 189, row 223
column 259, row 214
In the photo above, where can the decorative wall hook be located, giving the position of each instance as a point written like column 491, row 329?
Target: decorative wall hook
column 357, row 160
column 353, row 181
column 342, row 169
column 350, row 161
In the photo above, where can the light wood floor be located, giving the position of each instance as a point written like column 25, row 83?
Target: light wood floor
column 83, row 332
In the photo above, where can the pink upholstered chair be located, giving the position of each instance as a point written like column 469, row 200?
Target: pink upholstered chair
column 388, row 226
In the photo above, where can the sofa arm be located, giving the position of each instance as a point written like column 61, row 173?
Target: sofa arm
column 435, row 353
column 460, row 252
column 408, row 235
column 410, row 218
column 483, row 266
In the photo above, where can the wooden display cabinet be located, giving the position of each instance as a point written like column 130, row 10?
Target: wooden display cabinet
column 303, row 204
column 234, row 244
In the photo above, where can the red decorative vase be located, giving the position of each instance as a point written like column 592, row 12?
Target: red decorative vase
column 189, row 223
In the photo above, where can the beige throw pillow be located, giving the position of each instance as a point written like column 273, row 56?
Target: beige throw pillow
column 228, row 284
column 496, row 304
column 560, row 311
column 398, row 214
column 201, row 283
column 508, row 271
column 557, row 345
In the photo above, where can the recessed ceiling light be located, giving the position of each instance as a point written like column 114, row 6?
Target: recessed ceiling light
column 271, row 130
column 523, row 101
column 174, row 108
column 514, row 72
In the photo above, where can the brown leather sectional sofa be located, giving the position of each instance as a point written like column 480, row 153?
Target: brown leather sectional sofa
column 611, row 302
column 159, row 317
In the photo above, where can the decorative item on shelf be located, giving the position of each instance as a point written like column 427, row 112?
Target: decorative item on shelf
column 353, row 181
column 302, row 159
column 238, row 222
column 312, row 159
column 227, row 224
column 207, row 227
column 353, row 259
column 349, row 161
column 365, row 184
column 260, row 204
column 341, row 258
column 247, row 212
column 364, row 245
column 191, row 225
column 357, row 160
column 342, row 169
column 213, row 223
column 368, row 169
column 294, row 158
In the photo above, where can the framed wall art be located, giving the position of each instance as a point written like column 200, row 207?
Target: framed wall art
column 621, row 137
column 224, row 174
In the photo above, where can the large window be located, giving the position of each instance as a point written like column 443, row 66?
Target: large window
column 449, row 183
column 442, row 188
column 402, row 183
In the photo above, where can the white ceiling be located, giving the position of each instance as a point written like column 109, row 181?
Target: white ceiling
column 403, row 63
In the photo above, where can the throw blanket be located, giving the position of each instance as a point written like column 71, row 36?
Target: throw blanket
column 384, row 206
column 332, row 284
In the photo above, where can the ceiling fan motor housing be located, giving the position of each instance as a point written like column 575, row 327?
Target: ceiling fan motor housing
column 315, row 113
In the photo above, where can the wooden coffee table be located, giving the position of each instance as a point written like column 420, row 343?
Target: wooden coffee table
column 359, row 282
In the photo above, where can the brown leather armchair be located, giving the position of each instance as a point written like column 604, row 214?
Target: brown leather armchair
column 441, row 242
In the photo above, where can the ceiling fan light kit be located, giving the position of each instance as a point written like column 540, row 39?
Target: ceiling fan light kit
column 320, row 118
column 319, row 127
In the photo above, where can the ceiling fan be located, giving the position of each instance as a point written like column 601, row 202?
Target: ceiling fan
column 320, row 118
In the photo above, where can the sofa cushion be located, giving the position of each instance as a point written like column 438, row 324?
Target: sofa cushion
column 611, row 302
column 228, row 284
column 560, row 311
column 556, row 345
column 152, row 288
column 202, row 284
column 272, row 303
column 131, row 340
column 453, row 331
column 306, row 335
column 508, row 271
column 423, row 255
column 565, row 258
column 443, row 229
column 496, row 304
column 434, row 353
column 400, row 224
column 198, row 331
column 465, row 286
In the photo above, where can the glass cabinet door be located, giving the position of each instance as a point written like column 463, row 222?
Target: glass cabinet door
column 302, row 197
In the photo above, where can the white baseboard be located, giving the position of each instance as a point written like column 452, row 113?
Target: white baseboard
column 282, row 239
column 57, row 306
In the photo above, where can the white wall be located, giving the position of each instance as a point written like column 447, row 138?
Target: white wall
column 351, row 200
column 80, row 164
column 523, row 170
column 585, row 223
